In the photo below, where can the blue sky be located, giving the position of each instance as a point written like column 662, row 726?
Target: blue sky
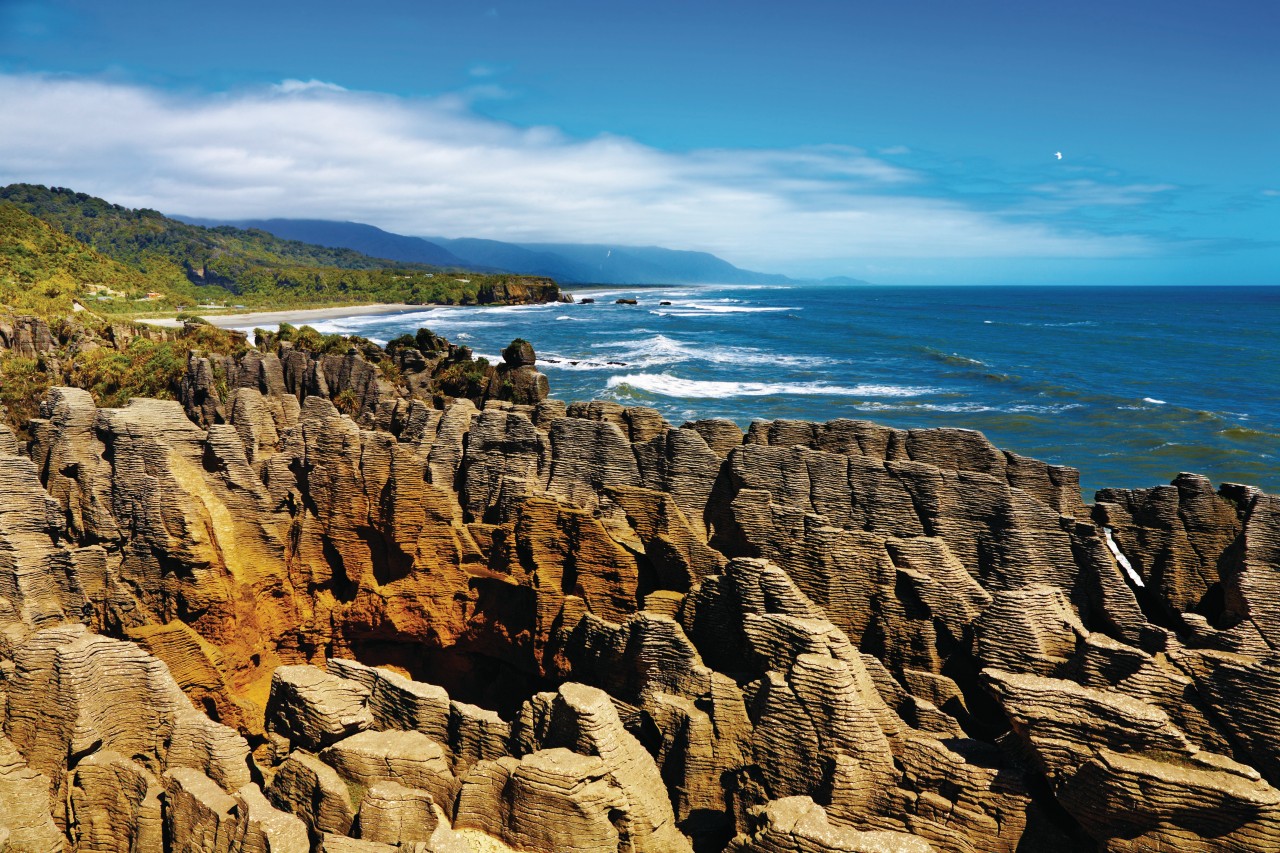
column 903, row 142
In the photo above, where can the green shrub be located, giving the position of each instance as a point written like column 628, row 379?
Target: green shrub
column 347, row 402
column 23, row 382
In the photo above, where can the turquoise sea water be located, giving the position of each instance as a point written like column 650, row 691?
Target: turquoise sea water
column 1130, row 385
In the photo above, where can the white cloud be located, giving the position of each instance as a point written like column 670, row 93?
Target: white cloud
column 1084, row 192
column 434, row 166
column 292, row 87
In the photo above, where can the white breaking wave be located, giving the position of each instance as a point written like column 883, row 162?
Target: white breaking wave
column 966, row 408
column 1153, row 401
column 461, row 321
column 560, row 362
column 662, row 351
column 328, row 327
column 411, row 317
column 674, row 386
column 601, row 295
column 697, row 309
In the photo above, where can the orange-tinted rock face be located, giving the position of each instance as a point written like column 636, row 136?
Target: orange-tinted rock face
column 609, row 628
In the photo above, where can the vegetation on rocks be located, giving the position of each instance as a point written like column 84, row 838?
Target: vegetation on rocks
column 112, row 361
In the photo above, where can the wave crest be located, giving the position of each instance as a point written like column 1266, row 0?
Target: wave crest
column 666, row 385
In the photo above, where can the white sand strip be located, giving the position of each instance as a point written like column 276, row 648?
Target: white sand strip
column 294, row 316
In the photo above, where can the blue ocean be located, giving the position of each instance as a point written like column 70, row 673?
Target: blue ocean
column 1129, row 385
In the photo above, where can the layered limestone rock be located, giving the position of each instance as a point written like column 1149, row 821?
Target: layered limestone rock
column 798, row 825
column 27, row 822
column 516, row 379
column 103, row 751
column 72, row 693
column 27, row 337
column 200, row 816
column 306, row 606
column 584, row 720
column 312, row 791
column 312, row 709
column 406, row 758
column 395, row 815
column 114, row 804
column 551, row 800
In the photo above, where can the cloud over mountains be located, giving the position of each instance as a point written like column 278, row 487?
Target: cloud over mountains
column 438, row 166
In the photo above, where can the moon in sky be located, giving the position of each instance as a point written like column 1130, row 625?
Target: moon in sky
column 1058, row 154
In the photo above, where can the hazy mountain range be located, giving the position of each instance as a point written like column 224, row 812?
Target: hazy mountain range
column 567, row 263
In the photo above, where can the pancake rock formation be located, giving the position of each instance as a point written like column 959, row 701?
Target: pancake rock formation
column 306, row 608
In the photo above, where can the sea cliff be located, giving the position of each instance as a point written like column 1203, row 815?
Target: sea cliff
column 349, row 598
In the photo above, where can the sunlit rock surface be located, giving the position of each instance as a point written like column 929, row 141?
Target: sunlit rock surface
column 250, row 620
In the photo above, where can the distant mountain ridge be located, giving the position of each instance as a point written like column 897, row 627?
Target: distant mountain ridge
column 365, row 239
column 162, row 261
column 567, row 263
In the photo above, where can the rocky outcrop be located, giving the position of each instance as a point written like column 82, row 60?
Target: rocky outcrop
column 584, row 720
column 26, row 337
column 321, row 601
column 520, row 290
column 27, row 822
column 312, row 709
column 516, row 379
column 798, row 824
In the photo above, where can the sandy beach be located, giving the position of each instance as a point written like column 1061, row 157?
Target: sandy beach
column 296, row 316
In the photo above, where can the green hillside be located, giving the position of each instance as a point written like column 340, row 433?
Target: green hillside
column 43, row 271
column 247, row 267
column 152, row 241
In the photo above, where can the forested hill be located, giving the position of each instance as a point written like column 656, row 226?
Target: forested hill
column 251, row 266
column 43, row 270
column 143, row 237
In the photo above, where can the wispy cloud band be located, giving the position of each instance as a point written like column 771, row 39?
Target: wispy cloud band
column 436, row 166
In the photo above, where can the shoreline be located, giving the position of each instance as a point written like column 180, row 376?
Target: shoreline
column 295, row 316
column 301, row 316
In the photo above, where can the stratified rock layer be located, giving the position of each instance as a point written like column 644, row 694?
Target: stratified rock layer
column 252, row 622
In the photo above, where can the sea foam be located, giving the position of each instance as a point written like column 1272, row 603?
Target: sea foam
column 661, row 351
column 674, row 386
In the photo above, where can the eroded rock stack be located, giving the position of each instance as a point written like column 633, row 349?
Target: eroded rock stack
column 251, row 620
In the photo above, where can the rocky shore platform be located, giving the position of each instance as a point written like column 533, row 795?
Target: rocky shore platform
column 321, row 605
